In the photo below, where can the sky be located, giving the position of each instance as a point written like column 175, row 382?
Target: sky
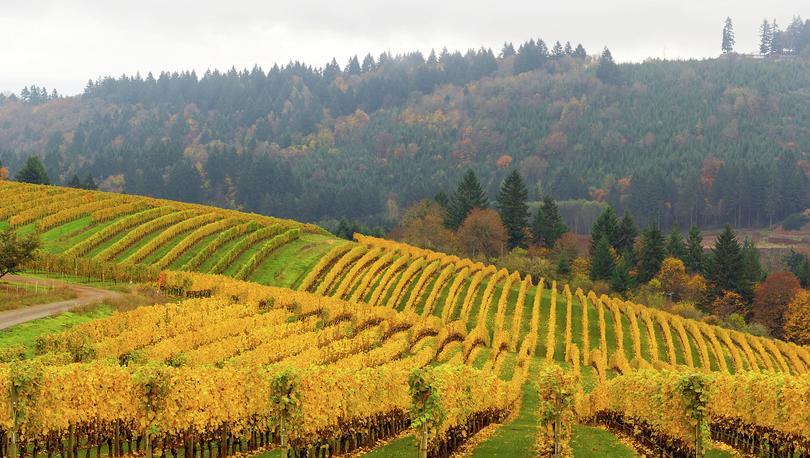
column 62, row 44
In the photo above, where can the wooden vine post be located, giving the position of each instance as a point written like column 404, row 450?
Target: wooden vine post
column 15, row 396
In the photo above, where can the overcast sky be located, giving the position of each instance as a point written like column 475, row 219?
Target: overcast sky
column 64, row 43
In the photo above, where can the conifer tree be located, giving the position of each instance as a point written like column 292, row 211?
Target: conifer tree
column 607, row 71
column 765, row 38
column 33, row 172
column 626, row 233
column 513, row 208
column 602, row 260
column 569, row 51
column 693, row 258
column 548, row 225
column 607, row 226
column 751, row 266
column 74, row 182
column 580, row 52
column 469, row 194
column 89, row 183
column 725, row 269
column 728, row 37
column 675, row 245
column 621, row 280
column 652, row 253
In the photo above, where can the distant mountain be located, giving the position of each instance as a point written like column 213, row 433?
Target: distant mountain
column 709, row 142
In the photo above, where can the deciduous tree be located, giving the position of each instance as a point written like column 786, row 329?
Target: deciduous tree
column 482, row 233
column 771, row 299
column 16, row 251
column 797, row 319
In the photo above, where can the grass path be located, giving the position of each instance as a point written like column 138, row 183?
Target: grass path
column 593, row 442
column 517, row 438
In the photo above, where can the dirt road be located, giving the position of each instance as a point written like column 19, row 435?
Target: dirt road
column 85, row 295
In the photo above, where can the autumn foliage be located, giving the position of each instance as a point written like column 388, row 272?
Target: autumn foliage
column 771, row 299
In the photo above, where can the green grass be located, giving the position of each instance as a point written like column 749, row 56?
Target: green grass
column 517, row 438
column 403, row 447
column 592, row 442
column 287, row 266
column 27, row 333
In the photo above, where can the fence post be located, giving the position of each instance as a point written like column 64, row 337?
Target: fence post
column 284, row 448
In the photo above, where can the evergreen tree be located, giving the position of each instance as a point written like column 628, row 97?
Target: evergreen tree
column 74, row 182
column 675, row 245
column 470, row 194
column 569, row 51
column 725, row 270
column 507, row 50
column 621, row 281
column 33, row 172
column 607, row 71
column 563, row 264
column 368, row 63
column 605, row 226
column 353, row 67
column 728, row 37
column 626, row 233
column 89, row 183
column 652, row 253
column 557, row 50
column 579, row 52
column 513, row 208
column 693, row 258
column 751, row 265
column 548, row 225
column 602, row 260
column 765, row 38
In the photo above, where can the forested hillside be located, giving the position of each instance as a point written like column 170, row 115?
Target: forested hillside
column 681, row 142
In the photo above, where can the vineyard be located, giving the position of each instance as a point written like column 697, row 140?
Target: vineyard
column 357, row 344
column 132, row 238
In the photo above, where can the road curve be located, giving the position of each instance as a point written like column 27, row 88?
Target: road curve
column 85, row 295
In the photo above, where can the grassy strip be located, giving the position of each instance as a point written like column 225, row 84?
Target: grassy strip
column 26, row 334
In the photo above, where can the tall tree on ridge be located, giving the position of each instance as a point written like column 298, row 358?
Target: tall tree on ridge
column 651, row 254
column 514, row 210
column 693, row 259
column 728, row 37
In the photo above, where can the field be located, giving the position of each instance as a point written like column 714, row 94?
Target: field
column 284, row 334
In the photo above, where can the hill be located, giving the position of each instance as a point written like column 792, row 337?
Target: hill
column 363, row 141
column 135, row 232
column 153, row 235
column 341, row 363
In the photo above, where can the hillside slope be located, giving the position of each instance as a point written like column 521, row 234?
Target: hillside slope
column 140, row 231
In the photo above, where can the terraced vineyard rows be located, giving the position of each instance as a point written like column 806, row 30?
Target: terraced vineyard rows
column 220, row 361
column 126, row 230
column 608, row 333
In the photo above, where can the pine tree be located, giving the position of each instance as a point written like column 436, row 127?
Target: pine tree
column 513, row 208
column 580, row 52
column 626, row 233
column 548, row 225
column 353, row 67
column 607, row 226
column 470, row 194
column 508, row 50
column 693, row 258
column 89, row 183
column 728, row 37
column 725, row 269
column 651, row 254
column 368, row 63
column 74, row 182
column 607, row 71
column 621, row 280
column 569, row 51
column 765, row 38
column 751, row 266
column 602, row 260
column 33, row 172
column 675, row 245
column 557, row 50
